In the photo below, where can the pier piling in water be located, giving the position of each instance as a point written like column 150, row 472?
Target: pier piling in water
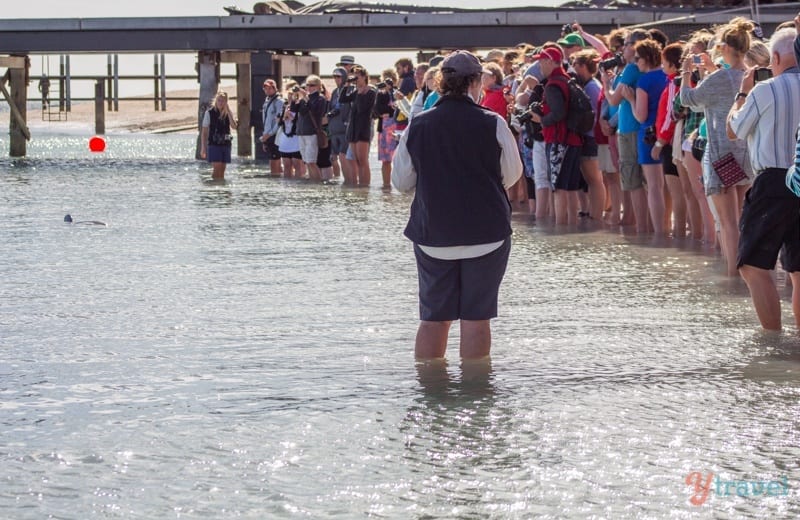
column 17, row 77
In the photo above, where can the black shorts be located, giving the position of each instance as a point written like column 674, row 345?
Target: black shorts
column 463, row 289
column 669, row 167
column 569, row 177
column 770, row 223
column 292, row 155
column 272, row 149
column 589, row 147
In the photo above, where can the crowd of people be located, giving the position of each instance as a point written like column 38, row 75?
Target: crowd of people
column 690, row 138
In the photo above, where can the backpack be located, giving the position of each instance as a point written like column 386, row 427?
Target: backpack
column 580, row 112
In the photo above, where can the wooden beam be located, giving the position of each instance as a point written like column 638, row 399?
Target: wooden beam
column 242, row 57
column 12, row 62
column 16, row 116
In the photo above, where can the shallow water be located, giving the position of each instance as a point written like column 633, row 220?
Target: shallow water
column 245, row 349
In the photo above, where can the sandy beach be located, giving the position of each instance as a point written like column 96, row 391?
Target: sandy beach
column 133, row 116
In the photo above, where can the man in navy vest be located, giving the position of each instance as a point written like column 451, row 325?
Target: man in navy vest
column 460, row 158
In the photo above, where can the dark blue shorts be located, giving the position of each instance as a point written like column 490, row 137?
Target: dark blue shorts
column 219, row 154
column 770, row 224
column 463, row 289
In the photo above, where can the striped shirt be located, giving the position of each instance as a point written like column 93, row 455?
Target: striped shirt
column 768, row 119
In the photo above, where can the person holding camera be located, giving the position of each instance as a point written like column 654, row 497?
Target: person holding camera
column 311, row 108
column 628, row 130
column 713, row 95
column 644, row 102
column 216, row 138
column 460, row 158
column 271, row 113
column 767, row 115
column 385, row 108
column 288, row 142
column 359, row 129
column 585, row 65
column 562, row 145
column 338, row 115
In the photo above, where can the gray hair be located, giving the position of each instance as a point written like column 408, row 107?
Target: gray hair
column 782, row 42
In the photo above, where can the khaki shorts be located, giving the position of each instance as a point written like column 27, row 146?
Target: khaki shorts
column 309, row 148
column 604, row 157
column 630, row 172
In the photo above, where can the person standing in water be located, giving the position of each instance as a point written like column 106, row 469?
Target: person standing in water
column 460, row 158
column 216, row 138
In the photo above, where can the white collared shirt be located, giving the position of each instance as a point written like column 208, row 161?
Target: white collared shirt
column 768, row 120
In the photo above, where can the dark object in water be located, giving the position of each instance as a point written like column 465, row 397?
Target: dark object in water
column 68, row 220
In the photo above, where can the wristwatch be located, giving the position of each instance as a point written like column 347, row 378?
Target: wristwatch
column 740, row 95
column 658, row 144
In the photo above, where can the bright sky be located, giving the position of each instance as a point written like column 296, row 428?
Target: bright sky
column 147, row 8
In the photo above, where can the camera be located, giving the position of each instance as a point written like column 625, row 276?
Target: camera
column 333, row 113
column 567, row 28
column 351, row 79
column 295, row 89
column 525, row 117
column 650, row 136
column 386, row 82
column 761, row 74
column 613, row 62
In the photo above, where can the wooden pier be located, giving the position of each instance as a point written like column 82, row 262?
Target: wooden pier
column 278, row 46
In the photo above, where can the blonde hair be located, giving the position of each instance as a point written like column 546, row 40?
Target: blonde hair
column 736, row 34
column 758, row 54
column 225, row 110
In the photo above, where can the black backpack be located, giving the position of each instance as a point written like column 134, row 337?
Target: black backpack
column 580, row 112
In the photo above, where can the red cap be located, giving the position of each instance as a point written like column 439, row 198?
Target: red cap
column 550, row 53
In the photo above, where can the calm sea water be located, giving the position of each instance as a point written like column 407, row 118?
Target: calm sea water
column 244, row 349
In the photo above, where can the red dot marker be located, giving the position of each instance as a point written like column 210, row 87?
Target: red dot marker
column 97, row 144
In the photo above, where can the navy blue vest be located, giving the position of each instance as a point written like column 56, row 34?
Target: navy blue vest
column 219, row 129
column 459, row 199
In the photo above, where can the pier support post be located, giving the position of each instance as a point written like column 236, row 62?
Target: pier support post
column 209, row 84
column 244, row 142
column 99, row 108
column 18, row 83
column 261, row 69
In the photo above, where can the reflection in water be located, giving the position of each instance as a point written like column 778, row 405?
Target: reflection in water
column 245, row 348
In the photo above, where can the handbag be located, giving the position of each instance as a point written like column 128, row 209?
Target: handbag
column 322, row 137
column 728, row 169
column 699, row 147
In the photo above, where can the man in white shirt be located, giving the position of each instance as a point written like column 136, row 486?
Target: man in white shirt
column 767, row 114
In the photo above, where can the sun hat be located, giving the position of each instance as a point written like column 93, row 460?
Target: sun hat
column 346, row 60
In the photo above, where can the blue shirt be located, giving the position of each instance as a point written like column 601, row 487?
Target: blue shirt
column 630, row 76
column 653, row 83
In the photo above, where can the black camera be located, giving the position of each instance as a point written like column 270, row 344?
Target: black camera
column 761, row 74
column 333, row 113
column 295, row 89
column 351, row 79
column 567, row 28
column 613, row 62
column 525, row 117
column 387, row 82
column 650, row 137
